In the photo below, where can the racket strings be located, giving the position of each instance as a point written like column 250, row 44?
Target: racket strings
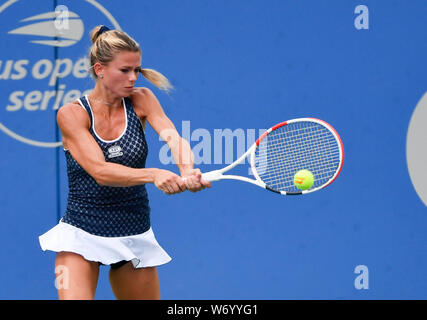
column 298, row 159
column 293, row 147
column 310, row 152
column 262, row 158
column 314, row 150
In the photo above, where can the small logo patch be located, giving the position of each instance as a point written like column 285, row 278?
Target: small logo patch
column 114, row 151
column 299, row 180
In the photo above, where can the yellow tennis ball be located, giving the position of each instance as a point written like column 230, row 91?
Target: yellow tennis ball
column 303, row 179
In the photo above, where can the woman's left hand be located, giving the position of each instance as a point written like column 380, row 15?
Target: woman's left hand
column 193, row 180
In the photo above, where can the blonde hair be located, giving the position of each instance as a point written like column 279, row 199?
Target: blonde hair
column 107, row 44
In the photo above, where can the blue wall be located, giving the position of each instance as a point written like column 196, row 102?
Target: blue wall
column 238, row 64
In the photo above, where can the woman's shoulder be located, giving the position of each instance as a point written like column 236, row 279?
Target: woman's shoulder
column 73, row 113
column 142, row 99
column 141, row 93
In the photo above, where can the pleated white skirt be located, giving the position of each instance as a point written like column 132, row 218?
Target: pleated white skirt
column 142, row 249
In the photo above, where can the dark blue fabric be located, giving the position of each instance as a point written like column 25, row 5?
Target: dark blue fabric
column 110, row 211
column 102, row 30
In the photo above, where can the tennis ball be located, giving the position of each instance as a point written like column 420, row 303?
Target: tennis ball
column 303, row 179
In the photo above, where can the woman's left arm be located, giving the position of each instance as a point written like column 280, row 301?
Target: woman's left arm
column 147, row 105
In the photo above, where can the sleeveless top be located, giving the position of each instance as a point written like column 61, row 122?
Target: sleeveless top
column 103, row 210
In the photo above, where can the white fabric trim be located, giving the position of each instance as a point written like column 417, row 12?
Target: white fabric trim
column 142, row 249
column 93, row 122
column 81, row 103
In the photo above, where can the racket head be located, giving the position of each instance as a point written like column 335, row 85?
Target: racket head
column 293, row 145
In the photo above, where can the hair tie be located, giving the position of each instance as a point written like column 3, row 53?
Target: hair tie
column 102, row 30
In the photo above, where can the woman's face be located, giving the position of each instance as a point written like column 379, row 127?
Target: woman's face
column 120, row 75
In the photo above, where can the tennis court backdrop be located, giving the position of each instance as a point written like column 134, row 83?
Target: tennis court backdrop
column 238, row 67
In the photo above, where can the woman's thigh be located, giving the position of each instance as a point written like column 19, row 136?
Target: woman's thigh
column 129, row 283
column 76, row 278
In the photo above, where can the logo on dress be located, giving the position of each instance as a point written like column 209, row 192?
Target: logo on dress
column 115, row 151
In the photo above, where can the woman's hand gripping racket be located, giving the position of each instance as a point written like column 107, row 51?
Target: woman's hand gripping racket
column 285, row 149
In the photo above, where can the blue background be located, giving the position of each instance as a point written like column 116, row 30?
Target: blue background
column 244, row 64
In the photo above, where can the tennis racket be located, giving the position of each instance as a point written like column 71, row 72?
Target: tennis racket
column 286, row 148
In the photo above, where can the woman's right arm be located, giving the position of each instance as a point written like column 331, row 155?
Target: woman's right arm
column 74, row 124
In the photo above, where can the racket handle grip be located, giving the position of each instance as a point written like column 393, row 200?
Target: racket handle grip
column 212, row 175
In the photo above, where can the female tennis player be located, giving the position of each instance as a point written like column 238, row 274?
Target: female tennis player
column 107, row 220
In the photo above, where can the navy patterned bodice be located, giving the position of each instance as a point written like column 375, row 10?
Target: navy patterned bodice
column 110, row 211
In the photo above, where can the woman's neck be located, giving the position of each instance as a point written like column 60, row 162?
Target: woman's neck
column 102, row 98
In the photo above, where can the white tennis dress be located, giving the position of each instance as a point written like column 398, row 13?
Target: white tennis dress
column 142, row 249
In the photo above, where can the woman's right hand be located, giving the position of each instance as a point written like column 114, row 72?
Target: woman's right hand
column 168, row 182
